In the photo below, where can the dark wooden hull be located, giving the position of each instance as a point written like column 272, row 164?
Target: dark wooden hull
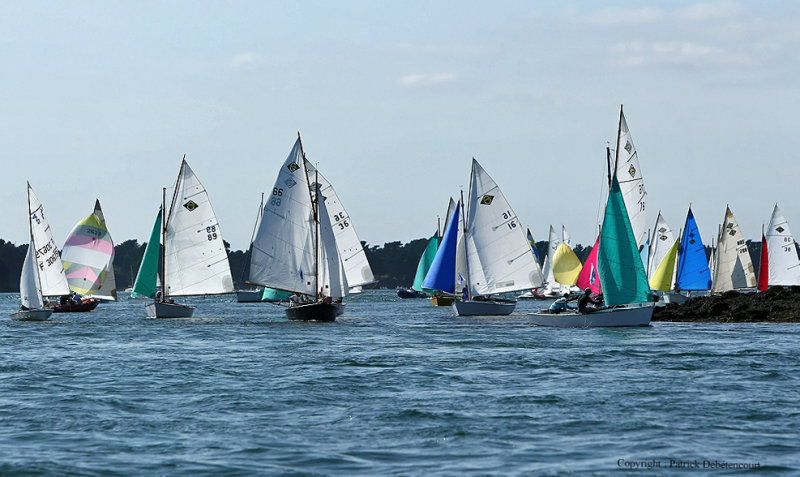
column 88, row 304
column 313, row 312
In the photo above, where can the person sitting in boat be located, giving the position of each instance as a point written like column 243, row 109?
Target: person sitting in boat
column 586, row 299
column 559, row 305
column 76, row 298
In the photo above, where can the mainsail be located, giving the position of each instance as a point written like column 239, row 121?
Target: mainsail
column 589, row 277
column 499, row 258
column 763, row 264
column 195, row 259
column 618, row 261
column 547, row 269
column 88, row 255
column 733, row 269
column 354, row 260
column 784, row 266
column 631, row 184
column 693, row 271
column 51, row 269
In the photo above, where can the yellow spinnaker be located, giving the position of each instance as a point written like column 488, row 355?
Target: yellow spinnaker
column 662, row 277
column 566, row 265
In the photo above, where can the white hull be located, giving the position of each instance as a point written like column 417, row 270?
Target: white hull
column 474, row 308
column 248, row 296
column 630, row 315
column 40, row 314
column 169, row 310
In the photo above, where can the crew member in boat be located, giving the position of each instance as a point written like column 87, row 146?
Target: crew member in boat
column 586, row 300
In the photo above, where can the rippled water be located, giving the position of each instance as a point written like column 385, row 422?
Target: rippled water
column 393, row 387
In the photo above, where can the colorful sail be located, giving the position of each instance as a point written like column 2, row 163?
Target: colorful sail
column 630, row 179
column 51, row 270
column 499, row 257
column 271, row 294
column 441, row 275
column 734, row 268
column 566, row 265
column 763, row 266
column 425, row 263
column 88, row 254
column 784, row 266
column 146, row 281
column 618, row 261
column 589, row 278
column 663, row 276
column 662, row 244
column 693, row 270
column 532, row 242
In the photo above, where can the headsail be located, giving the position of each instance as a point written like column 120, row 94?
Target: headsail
column 147, row 277
column 30, row 292
column 88, row 254
column 566, row 265
column 733, row 269
column 784, row 266
column 195, row 259
column 620, row 265
column 333, row 279
column 425, row 262
column 499, row 257
column 441, row 275
column 763, row 265
column 589, row 277
column 51, row 270
column 663, row 241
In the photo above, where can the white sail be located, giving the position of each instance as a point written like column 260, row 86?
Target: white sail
column 51, row 270
column 784, row 266
column 354, row 260
column 565, row 236
column 732, row 265
column 333, row 277
column 547, row 268
column 283, row 249
column 195, row 260
column 499, row 257
column 461, row 277
column 663, row 240
column 30, row 292
column 631, row 183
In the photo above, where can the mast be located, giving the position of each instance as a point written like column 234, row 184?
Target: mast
column 608, row 161
column 31, row 241
column 466, row 253
column 315, row 218
column 163, row 248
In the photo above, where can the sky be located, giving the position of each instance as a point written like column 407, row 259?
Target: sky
column 102, row 99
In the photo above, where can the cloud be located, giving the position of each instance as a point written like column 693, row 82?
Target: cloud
column 244, row 59
column 639, row 53
column 427, row 79
column 710, row 11
column 615, row 16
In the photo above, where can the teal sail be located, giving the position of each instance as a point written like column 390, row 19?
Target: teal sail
column 146, row 279
column 425, row 262
column 618, row 261
column 442, row 274
column 693, row 271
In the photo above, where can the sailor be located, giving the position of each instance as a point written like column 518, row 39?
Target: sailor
column 559, row 305
column 583, row 303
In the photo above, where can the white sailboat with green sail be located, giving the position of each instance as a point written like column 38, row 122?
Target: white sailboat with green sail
column 193, row 260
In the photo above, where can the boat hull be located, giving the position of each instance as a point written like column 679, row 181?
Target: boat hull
column 319, row 311
column 440, row 300
column 631, row 315
column 409, row 293
column 479, row 307
column 248, row 296
column 169, row 310
column 38, row 314
column 84, row 306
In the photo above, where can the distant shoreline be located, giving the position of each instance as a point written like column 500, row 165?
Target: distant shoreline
column 776, row 305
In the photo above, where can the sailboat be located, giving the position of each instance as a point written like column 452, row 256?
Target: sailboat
column 664, row 251
column 733, row 267
column 30, row 291
column 621, row 272
column 193, row 258
column 498, row 257
column 693, row 272
column 784, row 265
column 295, row 248
column 88, row 258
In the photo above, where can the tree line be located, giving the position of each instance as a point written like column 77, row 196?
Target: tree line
column 394, row 264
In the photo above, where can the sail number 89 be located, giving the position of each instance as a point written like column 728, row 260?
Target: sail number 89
column 277, row 193
column 212, row 232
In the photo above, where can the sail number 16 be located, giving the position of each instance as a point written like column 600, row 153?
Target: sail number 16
column 508, row 215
